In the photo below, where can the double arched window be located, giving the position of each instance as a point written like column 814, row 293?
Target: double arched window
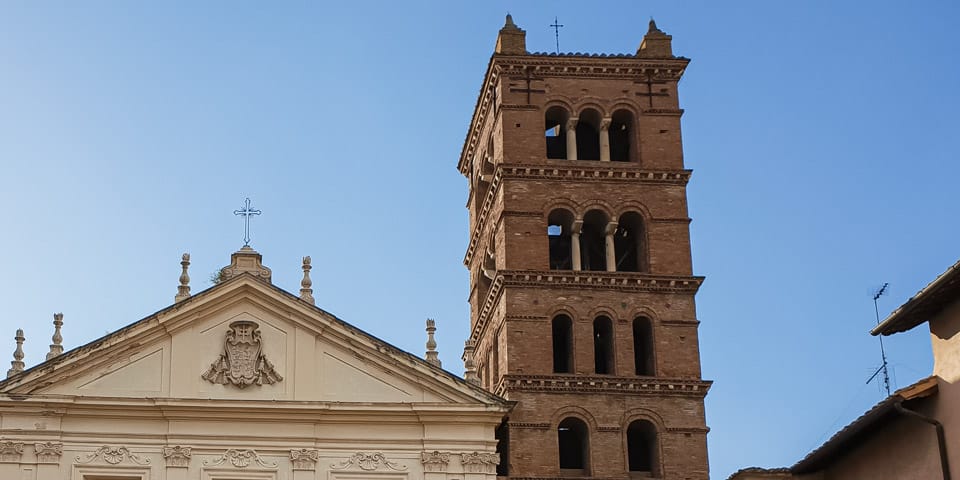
column 573, row 448
column 589, row 135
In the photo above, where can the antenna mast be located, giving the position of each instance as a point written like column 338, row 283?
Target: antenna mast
column 883, row 354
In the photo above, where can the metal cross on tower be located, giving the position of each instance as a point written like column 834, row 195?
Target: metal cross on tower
column 556, row 31
column 246, row 213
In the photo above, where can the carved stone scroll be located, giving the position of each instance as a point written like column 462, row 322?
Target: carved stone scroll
column 113, row 456
column 48, row 452
column 304, row 459
column 368, row 462
column 177, row 456
column 479, row 462
column 434, row 461
column 11, row 452
column 242, row 362
column 240, row 458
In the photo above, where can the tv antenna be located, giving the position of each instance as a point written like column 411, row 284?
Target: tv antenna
column 883, row 354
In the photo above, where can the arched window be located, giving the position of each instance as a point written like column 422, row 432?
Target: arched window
column 621, row 134
column 562, row 344
column 574, row 446
column 593, row 241
column 642, row 346
column 603, row 345
column 642, row 447
column 559, row 225
column 588, row 135
column 555, row 125
column 628, row 243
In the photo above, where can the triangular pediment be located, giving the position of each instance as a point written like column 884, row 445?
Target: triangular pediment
column 289, row 349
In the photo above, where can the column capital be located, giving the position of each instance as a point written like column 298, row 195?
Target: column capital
column 611, row 228
column 572, row 123
column 605, row 123
column 576, row 227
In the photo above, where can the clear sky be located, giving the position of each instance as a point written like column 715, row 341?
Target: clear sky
column 822, row 135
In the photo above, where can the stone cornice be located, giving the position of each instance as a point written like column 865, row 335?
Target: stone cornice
column 576, row 170
column 653, row 386
column 577, row 66
column 618, row 281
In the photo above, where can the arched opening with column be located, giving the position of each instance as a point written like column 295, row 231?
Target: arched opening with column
column 621, row 132
column 588, row 135
column 629, row 243
column 593, row 241
column 573, row 445
column 562, row 328
column 603, row 358
column 643, row 347
column 642, row 448
column 559, row 236
column 555, row 127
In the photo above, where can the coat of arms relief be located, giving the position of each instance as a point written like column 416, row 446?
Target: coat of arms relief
column 242, row 362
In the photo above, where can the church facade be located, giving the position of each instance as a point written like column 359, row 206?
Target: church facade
column 582, row 292
column 582, row 359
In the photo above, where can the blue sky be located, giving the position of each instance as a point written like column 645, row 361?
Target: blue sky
column 822, row 138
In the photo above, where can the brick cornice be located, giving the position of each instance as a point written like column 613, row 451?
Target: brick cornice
column 653, row 386
column 576, row 170
column 569, row 279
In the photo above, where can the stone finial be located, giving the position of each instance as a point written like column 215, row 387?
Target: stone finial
column 656, row 43
column 246, row 260
column 183, row 291
column 17, row 363
column 511, row 40
column 431, row 343
column 469, row 367
column 57, row 347
column 306, row 293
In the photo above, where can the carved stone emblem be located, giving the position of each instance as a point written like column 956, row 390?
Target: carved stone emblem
column 242, row 362
column 368, row 462
column 48, row 452
column 240, row 458
column 434, row 461
column 304, row 459
column 10, row 452
column 177, row 456
column 479, row 462
column 113, row 456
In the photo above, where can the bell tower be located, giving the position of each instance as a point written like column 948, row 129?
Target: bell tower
column 581, row 283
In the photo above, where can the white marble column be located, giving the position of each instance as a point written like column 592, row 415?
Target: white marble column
column 611, row 248
column 605, row 139
column 572, row 138
column 575, row 244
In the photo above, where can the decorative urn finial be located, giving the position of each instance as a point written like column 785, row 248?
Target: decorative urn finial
column 306, row 292
column 57, row 347
column 17, row 363
column 183, row 291
column 469, row 367
column 431, row 356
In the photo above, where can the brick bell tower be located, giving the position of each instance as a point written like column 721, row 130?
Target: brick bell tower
column 581, row 284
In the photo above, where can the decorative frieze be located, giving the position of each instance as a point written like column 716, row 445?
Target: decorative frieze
column 434, row 461
column 479, row 462
column 240, row 458
column 242, row 362
column 304, row 459
column 11, row 452
column 48, row 452
column 177, row 456
column 530, row 425
column 113, row 456
column 368, row 462
column 605, row 384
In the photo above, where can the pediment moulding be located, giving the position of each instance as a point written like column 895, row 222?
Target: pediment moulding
column 602, row 384
column 113, row 456
column 594, row 280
